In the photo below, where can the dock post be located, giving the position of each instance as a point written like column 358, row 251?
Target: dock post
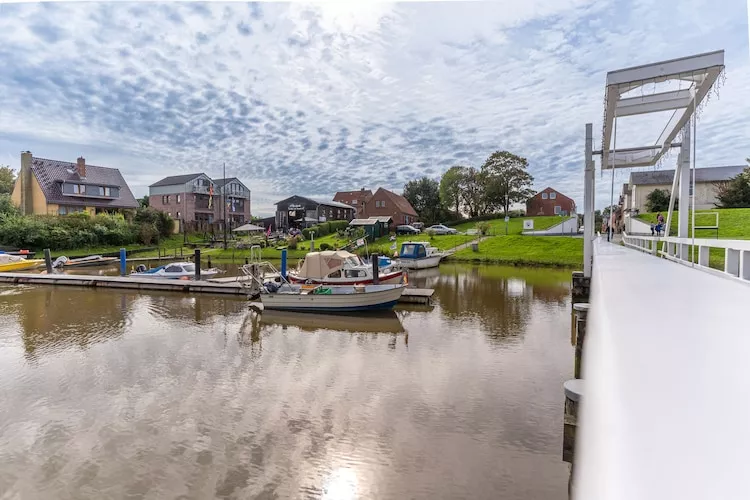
column 283, row 263
column 581, row 313
column 209, row 261
column 123, row 262
column 197, row 264
column 375, row 269
column 48, row 261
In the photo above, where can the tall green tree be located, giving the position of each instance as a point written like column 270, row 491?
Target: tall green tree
column 7, row 179
column 143, row 202
column 450, row 188
column 507, row 180
column 658, row 201
column 734, row 193
column 472, row 188
column 424, row 196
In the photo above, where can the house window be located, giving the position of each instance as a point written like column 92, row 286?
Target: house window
column 178, row 197
column 62, row 211
column 553, row 196
column 165, row 199
column 354, row 202
column 557, row 209
column 169, row 214
column 178, row 215
column 379, row 203
column 544, row 196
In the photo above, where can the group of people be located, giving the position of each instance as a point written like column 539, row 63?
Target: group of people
column 656, row 229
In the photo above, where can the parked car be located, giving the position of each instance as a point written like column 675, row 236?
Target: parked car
column 406, row 229
column 441, row 229
column 418, row 225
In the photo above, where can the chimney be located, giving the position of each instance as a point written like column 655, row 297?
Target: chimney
column 81, row 167
column 25, row 178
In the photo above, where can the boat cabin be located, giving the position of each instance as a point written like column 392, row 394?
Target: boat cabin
column 332, row 264
column 416, row 250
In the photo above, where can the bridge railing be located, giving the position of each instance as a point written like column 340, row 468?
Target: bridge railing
column 736, row 252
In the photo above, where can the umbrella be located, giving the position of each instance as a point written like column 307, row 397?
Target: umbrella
column 248, row 228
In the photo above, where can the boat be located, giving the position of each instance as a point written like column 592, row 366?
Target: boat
column 329, row 298
column 419, row 255
column 377, row 322
column 9, row 263
column 339, row 267
column 90, row 261
column 175, row 271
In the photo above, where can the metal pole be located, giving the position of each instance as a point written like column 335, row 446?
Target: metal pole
column 695, row 137
column 48, row 261
column 123, row 263
column 588, row 203
column 224, row 203
column 610, row 233
column 375, row 269
column 283, row 264
column 197, row 260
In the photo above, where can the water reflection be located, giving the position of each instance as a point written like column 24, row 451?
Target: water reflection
column 133, row 395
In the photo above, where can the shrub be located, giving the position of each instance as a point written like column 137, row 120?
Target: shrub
column 147, row 233
column 7, row 206
column 325, row 246
column 292, row 243
column 483, row 228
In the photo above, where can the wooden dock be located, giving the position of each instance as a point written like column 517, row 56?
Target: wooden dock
column 225, row 286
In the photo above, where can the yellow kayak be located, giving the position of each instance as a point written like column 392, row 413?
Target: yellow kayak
column 7, row 265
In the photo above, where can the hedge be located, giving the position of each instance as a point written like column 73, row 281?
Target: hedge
column 325, row 228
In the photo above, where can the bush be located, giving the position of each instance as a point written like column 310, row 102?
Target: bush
column 163, row 223
column 148, row 233
column 292, row 243
column 658, row 201
column 325, row 246
column 483, row 228
column 6, row 205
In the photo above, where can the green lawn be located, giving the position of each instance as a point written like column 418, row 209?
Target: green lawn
column 560, row 251
column 515, row 224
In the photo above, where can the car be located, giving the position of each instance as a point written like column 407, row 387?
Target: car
column 441, row 229
column 418, row 225
column 406, row 229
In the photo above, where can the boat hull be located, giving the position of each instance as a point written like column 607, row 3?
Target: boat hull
column 175, row 276
column 21, row 265
column 394, row 278
column 376, row 297
column 423, row 263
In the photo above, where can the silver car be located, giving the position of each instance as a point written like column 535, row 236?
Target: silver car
column 441, row 229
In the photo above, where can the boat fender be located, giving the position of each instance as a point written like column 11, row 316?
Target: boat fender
column 141, row 268
column 184, row 278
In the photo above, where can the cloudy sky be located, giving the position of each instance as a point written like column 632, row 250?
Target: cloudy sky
column 314, row 98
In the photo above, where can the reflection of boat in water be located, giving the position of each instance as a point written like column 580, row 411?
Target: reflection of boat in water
column 175, row 270
column 330, row 298
column 431, row 272
column 382, row 322
column 419, row 255
column 9, row 263
column 338, row 267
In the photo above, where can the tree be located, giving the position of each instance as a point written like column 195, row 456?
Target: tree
column 7, row 179
column 424, row 196
column 143, row 202
column 658, row 201
column 507, row 180
column 734, row 193
column 472, row 191
column 450, row 188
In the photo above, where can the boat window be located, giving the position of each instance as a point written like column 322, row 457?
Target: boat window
column 173, row 269
column 335, row 274
column 422, row 252
column 354, row 261
column 190, row 268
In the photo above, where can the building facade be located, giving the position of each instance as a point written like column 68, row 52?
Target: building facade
column 384, row 203
column 355, row 199
column 198, row 198
column 300, row 212
column 550, row 202
column 641, row 184
column 53, row 187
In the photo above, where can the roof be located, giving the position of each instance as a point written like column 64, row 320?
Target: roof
column 349, row 196
column 52, row 173
column 705, row 174
column 176, row 179
column 321, row 264
column 248, row 228
column 547, row 189
column 370, row 221
column 401, row 203
column 317, row 202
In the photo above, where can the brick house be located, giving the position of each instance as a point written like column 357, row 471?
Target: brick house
column 550, row 202
column 53, row 187
column 356, row 199
column 198, row 198
column 388, row 203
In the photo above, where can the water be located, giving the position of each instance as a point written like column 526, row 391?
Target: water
column 112, row 394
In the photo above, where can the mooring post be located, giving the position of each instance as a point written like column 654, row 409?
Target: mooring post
column 47, row 260
column 197, row 260
column 581, row 312
column 581, row 287
column 283, row 264
column 123, row 262
column 209, row 262
column 375, row 269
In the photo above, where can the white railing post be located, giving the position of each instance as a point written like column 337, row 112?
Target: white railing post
column 589, row 180
column 703, row 256
column 732, row 261
column 745, row 265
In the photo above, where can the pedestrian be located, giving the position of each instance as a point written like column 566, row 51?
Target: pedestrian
column 652, row 229
column 658, row 229
column 660, row 218
column 608, row 232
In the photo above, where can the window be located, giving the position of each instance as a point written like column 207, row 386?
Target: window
column 178, row 197
column 553, row 196
column 544, row 196
column 557, row 209
column 61, row 211
column 165, row 199
column 379, row 203
column 354, row 202
column 178, row 215
column 169, row 214
column 174, row 269
column 335, row 274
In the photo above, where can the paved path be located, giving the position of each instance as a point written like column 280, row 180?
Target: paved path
column 465, row 245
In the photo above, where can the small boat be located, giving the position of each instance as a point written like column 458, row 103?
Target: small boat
column 330, row 299
column 338, row 267
column 90, row 261
column 419, row 255
column 382, row 322
column 9, row 263
column 175, row 271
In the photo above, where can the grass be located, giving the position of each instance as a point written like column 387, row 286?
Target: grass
column 555, row 251
column 515, row 224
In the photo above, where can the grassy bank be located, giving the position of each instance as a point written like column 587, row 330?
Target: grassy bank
column 554, row 251
column 515, row 224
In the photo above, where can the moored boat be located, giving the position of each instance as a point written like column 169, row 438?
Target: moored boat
column 90, row 261
column 330, row 299
column 419, row 255
column 338, row 267
column 175, row 270
column 9, row 263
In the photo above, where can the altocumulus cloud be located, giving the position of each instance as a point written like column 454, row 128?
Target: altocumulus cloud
column 311, row 99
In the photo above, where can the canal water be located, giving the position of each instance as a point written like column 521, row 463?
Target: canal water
column 113, row 394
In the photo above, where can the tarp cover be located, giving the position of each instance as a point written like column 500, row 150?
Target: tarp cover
column 248, row 227
column 320, row 264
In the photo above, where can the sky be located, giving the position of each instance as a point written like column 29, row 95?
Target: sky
column 311, row 99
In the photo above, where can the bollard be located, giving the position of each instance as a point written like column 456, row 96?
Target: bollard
column 47, row 260
column 123, row 262
column 581, row 287
column 197, row 260
column 574, row 390
column 375, row 269
column 209, row 262
column 246, row 261
column 283, row 264
column 581, row 311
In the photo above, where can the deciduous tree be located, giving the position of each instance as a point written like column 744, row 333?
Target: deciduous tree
column 424, row 196
column 507, row 180
column 450, row 188
column 7, row 179
column 734, row 193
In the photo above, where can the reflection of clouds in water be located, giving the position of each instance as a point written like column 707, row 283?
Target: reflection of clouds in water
column 516, row 287
column 341, row 485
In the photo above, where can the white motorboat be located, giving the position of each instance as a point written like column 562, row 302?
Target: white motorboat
column 175, row 271
column 330, row 299
column 419, row 255
column 339, row 267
